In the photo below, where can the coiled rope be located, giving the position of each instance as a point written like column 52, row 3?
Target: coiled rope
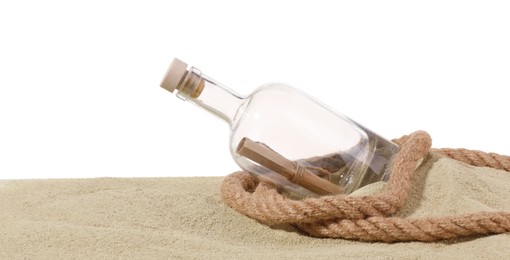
column 368, row 218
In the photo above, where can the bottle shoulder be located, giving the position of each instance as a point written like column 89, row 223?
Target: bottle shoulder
column 274, row 87
column 267, row 95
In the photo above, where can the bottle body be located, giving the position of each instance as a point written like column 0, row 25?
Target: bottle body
column 286, row 137
column 312, row 136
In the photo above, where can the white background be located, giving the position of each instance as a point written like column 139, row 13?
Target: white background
column 79, row 81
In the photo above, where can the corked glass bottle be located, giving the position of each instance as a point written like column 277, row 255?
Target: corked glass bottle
column 284, row 136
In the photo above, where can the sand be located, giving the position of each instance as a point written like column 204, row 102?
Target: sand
column 183, row 218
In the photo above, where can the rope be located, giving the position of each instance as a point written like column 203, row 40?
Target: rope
column 367, row 218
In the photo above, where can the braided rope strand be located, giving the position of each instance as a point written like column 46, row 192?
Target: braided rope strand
column 366, row 218
column 477, row 158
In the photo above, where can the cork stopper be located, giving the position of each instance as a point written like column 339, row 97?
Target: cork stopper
column 188, row 83
column 175, row 73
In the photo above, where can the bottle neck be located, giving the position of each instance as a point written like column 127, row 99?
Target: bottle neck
column 211, row 95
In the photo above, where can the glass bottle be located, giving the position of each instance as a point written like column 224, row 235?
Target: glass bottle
column 284, row 136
